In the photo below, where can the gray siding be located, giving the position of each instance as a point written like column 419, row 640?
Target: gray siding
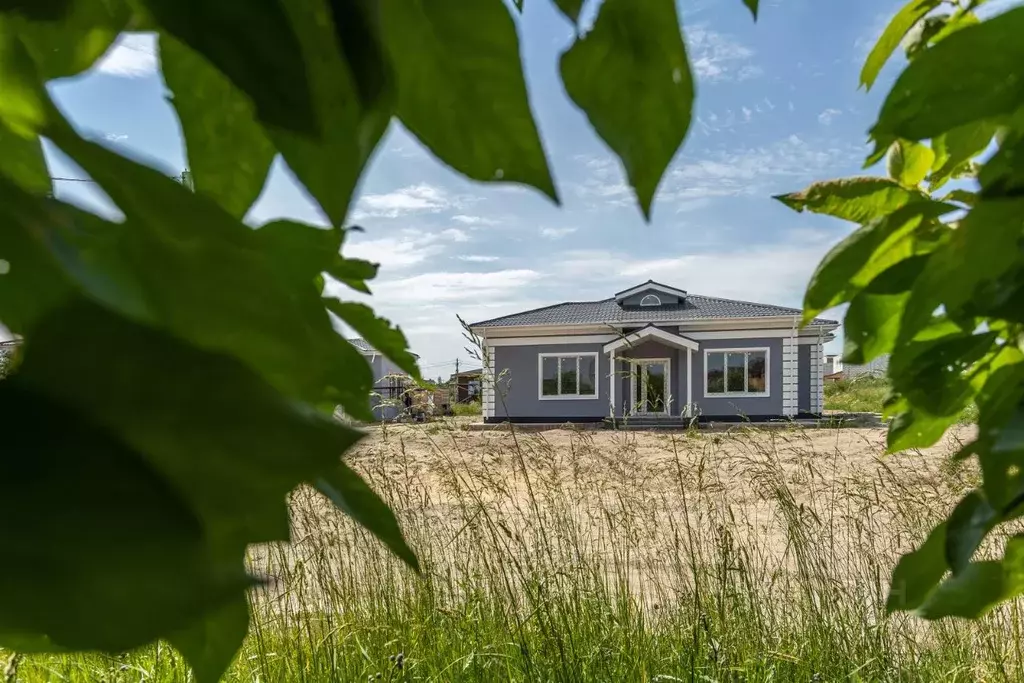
column 517, row 389
column 383, row 408
column 729, row 406
column 803, row 378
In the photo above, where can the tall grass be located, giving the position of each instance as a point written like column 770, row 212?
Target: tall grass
column 864, row 394
column 607, row 557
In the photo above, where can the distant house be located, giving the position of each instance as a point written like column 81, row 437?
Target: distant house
column 466, row 385
column 837, row 369
column 393, row 390
column 653, row 351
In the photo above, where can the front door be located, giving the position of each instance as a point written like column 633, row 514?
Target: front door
column 650, row 386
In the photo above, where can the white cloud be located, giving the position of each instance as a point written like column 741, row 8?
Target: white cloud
column 408, row 248
column 718, row 57
column 133, row 55
column 825, row 117
column 556, row 233
column 455, row 235
column 473, row 220
column 477, row 258
column 455, row 287
column 421, row 198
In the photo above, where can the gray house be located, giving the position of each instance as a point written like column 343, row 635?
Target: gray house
column 653, row 351
column 390, row 395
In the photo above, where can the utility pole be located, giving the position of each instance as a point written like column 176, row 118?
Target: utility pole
column 457, row 397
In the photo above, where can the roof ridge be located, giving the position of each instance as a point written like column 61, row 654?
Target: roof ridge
column 749, row 303
column 541, row 308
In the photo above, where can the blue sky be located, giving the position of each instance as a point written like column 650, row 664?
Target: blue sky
column 777, row 108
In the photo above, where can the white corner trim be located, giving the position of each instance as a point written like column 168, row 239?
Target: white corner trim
column 632, row 338
column 733, row 394
column 790, row 377
column 570, row 397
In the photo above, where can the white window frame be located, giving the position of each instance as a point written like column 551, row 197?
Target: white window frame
column 746, row 373
column 569, row 397
column 656, row 298
column 635, row 365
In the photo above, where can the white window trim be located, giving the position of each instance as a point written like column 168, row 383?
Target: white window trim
column 741, row 394
column 569, row 397
column 657, row 300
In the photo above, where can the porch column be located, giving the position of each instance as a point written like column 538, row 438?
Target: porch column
column 689, row 382
column 613, row 379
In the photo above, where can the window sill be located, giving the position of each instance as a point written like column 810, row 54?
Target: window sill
column 573, row 397
column 738, row 395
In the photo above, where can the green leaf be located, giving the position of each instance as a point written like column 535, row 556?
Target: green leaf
column 853, row 199
column 207, row 278
column 931, row 373
column 331, row 167
column 228, row 152
column 989, row 82
column 989, row 234
column 265, row 60
column 461, row 89
column 24, row 105
column 36, row 9
column 871, row 325
column 868, row 251
column 967, row 526
column 956, row 147
column 570, row 8
column 960, row 195
column 909, row 162
column 210, row 644
column 974, row 591
column 752, row 6
column 631, row 77
column 349, row 492
column 923, row 34
column 133, row 563
column 890, row 39
column 72, row 44
column 389, row 340
column 22, row 161
column 916, row 428
column 918, row 572
column 224, row 439
column 304, row 251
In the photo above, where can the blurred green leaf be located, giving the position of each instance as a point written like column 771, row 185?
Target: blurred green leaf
column 968, row 524
column 132, row 560
column 931, row 373
column 461, row 89
column 265, row 60
column 207, row 278
column 956, row 147
column 918, row 572
column 752, row 6
column 890, row 39
column 24, row 106
column 331, row 166
column 349, row 492
column 227, row 150
column 866, row 252
column 854, row 199
column 389, row 340
column 570, row 8
column 989, row 234
column 72, row 44
column 631, row 77
column 871, row 325
column 988, row 82
column 974, row 591
column 22, row 161
column 305, row 251
column 36, row 9
column 210, row 644
column 960, row 195
column 909, row 162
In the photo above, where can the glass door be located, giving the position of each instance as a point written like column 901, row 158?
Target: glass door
column 649, row 389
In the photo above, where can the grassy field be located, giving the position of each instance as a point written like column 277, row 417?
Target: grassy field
column 604, row 556
column 862, row 395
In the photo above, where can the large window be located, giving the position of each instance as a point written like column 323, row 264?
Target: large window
column 736, row 372
column 568, row 375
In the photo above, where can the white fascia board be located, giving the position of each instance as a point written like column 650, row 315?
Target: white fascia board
column 647, row 333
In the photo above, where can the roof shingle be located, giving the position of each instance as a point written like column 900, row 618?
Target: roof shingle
column 695, row 307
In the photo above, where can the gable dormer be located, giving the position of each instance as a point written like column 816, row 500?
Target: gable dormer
column 650, row 294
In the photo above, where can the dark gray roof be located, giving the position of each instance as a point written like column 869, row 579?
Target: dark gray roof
column 695, row 307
